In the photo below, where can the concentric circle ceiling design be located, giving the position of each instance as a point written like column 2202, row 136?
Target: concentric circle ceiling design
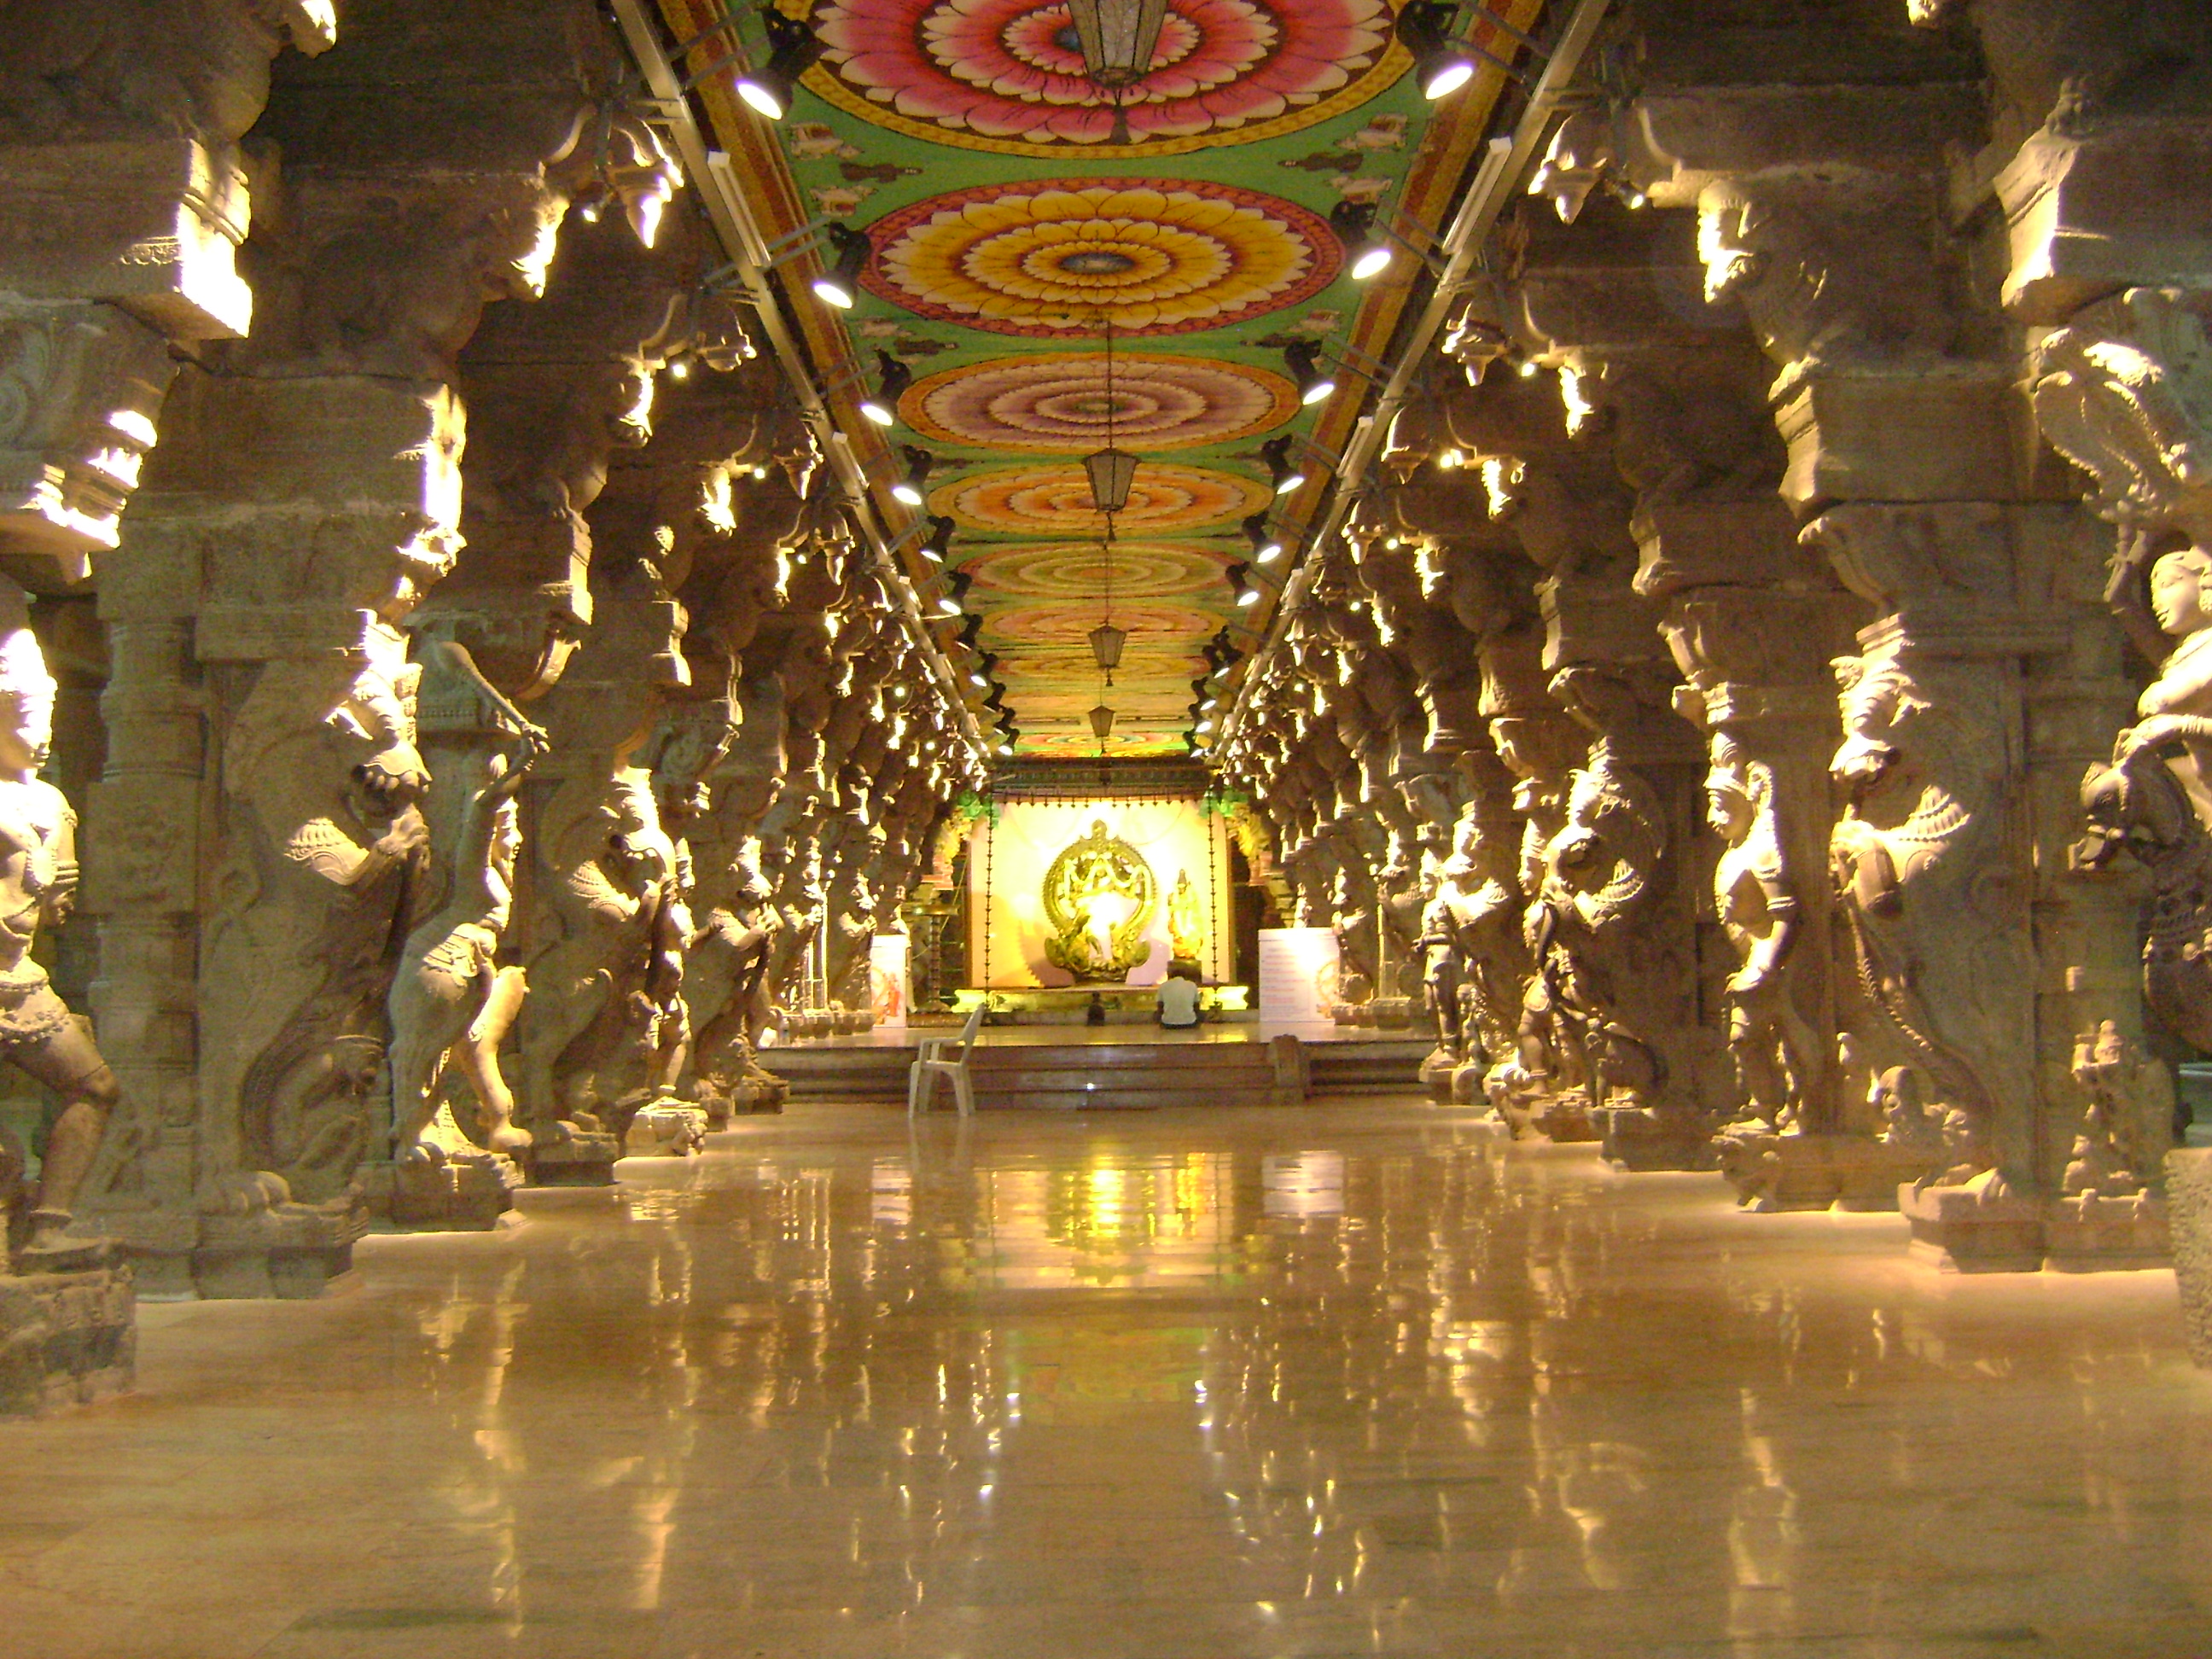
column 1079, row 570
column 1057, row 401
column 1056, row 500
column 1071, row 624
column 1007, row 75
column 1056, row 259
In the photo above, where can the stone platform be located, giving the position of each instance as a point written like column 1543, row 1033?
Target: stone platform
column 1116, row 1067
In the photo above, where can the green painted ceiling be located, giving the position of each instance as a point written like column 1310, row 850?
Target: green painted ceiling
column 1011, row 217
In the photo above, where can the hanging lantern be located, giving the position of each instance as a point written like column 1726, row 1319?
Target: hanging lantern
column 1112, row 472
column 1102, row 722
column 1118, row 38
column 1106, row 646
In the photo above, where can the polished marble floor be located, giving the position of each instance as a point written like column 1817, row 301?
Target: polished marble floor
column 1359, row 1379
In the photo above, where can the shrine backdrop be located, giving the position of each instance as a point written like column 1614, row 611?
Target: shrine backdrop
column 1008, row 860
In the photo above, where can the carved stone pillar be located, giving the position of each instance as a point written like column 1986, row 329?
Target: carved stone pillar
column 306, row 490
column 1833, row 231
column 1753, row 622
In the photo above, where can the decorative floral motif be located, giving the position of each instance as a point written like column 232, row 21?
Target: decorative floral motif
column 1057, row 402
column 1051, row 259
column 1007, row 75
column 1049, row 500
column 1077, row 569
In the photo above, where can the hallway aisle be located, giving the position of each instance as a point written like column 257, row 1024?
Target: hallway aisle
column 1362, row 1380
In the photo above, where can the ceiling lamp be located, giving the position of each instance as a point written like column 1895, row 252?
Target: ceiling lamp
column 1111, row 470
column 918, row 464
column 1111, row 473
column 840, row 285
column 1117, row 38
column 1101, row 723
column 1366, row 250
column 980, row 675
column 1267, row 548
column 1106, row 647
column 1441, row 67
column 948, row 604
column 1315, row 383
column 792, row 50
column 882, row 407
column 939, row 541
column 1285, row 474
column 1241, row 584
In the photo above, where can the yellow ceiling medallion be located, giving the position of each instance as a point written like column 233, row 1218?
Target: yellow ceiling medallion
column 1058, row 259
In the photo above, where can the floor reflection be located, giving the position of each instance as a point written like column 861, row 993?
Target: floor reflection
column 1295, row 1383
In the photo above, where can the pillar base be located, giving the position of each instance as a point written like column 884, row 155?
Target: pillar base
column 1639, row 1138
column 1563, row 1117
column 665, row 1129
column 1773, row 1171
column 2189, row 1214
column 292, row 1254
column 2086, row 1234
column 462, row 1194
column 1982, row 1227
column 1437, row 1073
column 582, row 1157
column 750, row 1096
column 68, row 1338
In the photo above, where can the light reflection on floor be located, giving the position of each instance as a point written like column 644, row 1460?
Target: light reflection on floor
column 1315, row 1382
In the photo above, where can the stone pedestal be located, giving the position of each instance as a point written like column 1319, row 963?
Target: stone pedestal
column 665, row 1129
column 584, row 1158
column 1771, row 1171
column 1563, row 1117
column 461, row 1194
column 295, row 1253
column 66, row 1337
column 1982, row 1227
column 2084, row 1233
column 1438, row 1074
column 1638, row 1138
column 2189, row 1199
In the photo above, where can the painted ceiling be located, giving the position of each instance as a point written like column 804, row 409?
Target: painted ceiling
column 1014, row 214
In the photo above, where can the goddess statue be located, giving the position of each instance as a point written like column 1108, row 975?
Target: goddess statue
column 1186, row 926
column 38, row 885
column 1098, row 897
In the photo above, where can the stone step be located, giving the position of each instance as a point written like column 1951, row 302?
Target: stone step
column 1054, row 1074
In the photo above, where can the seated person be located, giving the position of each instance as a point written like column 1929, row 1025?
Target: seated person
column 1178, row 995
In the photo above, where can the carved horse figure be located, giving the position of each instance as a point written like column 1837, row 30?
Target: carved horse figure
column 2139, row 805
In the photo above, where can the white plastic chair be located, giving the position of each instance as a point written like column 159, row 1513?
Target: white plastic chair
column 931, row 1063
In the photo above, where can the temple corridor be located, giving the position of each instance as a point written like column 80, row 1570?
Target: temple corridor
column 1352, row 1378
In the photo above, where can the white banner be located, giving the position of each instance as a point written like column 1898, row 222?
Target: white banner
column 887, row 979
column 1297, row 974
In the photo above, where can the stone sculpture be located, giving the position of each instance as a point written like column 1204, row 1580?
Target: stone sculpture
column 1905, row 855
column 726, row 989
column 38, row 885
column 322, row 758
column 453, row 1001
column 1755, row 896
